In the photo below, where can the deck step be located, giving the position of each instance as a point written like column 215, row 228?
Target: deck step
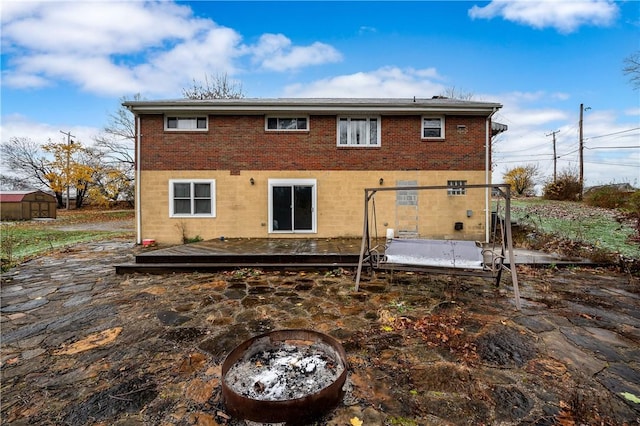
column 247, row 258
column 161, row 268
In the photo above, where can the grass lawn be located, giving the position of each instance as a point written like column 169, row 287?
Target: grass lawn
column 20, row 241
column 604, row 229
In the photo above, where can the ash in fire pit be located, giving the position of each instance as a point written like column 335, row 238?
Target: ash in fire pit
column 284, row 376
column 275, row 371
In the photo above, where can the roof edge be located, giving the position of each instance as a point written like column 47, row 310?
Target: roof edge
column 261, row 105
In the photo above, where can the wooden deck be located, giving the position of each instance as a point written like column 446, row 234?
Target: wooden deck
column 281, row 254
column 265, row 253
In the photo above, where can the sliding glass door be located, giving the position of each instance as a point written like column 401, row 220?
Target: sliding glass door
column 292, row 205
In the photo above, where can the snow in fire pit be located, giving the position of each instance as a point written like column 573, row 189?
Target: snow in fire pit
column 278, row 371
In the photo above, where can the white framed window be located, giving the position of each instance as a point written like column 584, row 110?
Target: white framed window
column 432, row 127
column 359, row 131
column 194, row 123
column 457, row 187
column 287, row 123
column 292, row 206
column 192, row 198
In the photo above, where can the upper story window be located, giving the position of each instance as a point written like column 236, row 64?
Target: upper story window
column 432, row 127
column 457, row 187
column 198, row 123
column 287, row 123
column 192, row 198
column 359, row 131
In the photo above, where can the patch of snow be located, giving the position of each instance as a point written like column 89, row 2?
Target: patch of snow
column 277, row 372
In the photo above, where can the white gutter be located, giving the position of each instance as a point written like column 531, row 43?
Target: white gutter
column 321, row 106
column 260, row 110
column 137, row 183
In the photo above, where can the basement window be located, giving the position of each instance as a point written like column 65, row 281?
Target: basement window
column 456, row 187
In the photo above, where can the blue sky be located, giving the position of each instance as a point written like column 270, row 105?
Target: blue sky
column 66, row 65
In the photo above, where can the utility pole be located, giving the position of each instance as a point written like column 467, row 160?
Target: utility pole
column 581, row 148
column 69, row 143
column 555, row 157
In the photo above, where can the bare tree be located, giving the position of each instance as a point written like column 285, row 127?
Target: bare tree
column 14, row 183
column 54, row 166
column 117, row 155
column 456, row 93
column 118, row 137
column 214, row 87
column 632, row 69
column 26, row 159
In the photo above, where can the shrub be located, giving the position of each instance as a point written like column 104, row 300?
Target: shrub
column 633, row 203
column 608, row 197
column 566, row 187
column 8, row 241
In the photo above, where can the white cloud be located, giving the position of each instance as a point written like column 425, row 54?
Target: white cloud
column 566, row 16
column 386, row 82
column 364, row 29
column 100, row 28
column 19, row 126
column 111, row 48
column 276, row 52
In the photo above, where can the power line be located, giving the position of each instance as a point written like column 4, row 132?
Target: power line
column 569, row 153
column 525, row 149
column 613, row 164
column 600, row 163
column 614, row 133
column 508, row 161
column 525, row 155
column 613, row 147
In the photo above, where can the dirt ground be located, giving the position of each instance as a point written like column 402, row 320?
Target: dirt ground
column 84, row 346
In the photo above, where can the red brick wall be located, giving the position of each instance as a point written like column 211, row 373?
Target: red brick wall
column 240, row 143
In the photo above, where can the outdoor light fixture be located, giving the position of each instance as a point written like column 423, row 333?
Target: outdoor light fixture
column 381, row 181
column 253, row 182
column 469, row 213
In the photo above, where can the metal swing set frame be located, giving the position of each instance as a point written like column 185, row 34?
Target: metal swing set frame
column 455, row 257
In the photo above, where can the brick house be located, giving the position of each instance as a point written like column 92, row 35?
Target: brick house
column 282, row 168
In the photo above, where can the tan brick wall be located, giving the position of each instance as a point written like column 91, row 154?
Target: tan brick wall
column 242, row 208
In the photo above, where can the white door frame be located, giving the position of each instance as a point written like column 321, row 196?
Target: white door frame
column 313, row 183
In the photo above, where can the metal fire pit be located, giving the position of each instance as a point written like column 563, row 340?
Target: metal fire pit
column 290, row 411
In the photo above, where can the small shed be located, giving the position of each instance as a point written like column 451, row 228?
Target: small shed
column 26, row 205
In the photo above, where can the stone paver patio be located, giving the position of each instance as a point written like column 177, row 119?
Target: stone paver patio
column 82, row 345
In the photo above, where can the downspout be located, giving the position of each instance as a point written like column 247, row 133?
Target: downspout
column 137, row 183
column 487, row 177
